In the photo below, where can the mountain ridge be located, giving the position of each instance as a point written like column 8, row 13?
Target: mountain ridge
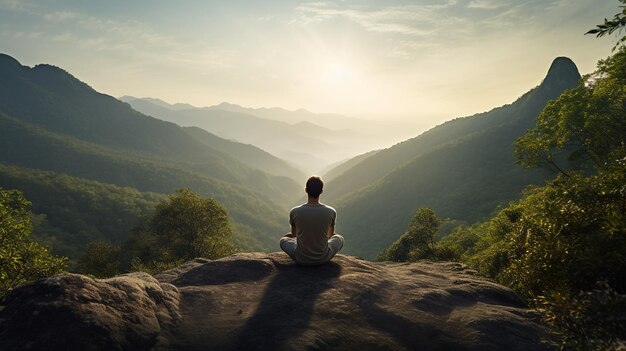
column 52, row 121
column 426, row 171
column 309, row 140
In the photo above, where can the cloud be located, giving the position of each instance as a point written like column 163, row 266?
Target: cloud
column 411, row 20
column 486, row 4
column 413, row 29
column 60, row 16
column 131, row 43
column 425, row 20
column 64, row 37
column 129, row 38
column 15, row 5
column 26, row 35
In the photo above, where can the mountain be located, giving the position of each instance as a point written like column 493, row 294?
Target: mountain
column 248, row 154
column 334, row 170
column 51, row 121
column 52, row 99
column 337, row 121
column 278, row 138
column 383, row 130
column 463, row 169
column 70, row 212
column 259, row 301
column 296, row 138
column 158, row 102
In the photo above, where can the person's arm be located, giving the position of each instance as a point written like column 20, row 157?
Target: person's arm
column 331, row 230
column 293, row 232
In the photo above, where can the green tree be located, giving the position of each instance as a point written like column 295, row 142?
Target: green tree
column 617, row 23
column 571, row 234
column 418, row 240
column 21, row 259
column 587, row 123
column 554, row 246
column 182, row 228
column 561, row 241
column 101, row 259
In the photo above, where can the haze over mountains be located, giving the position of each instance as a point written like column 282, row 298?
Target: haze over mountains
column 308, row 140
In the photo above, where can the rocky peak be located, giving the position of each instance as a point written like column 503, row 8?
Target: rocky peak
column 257, row 301
column 563, row 74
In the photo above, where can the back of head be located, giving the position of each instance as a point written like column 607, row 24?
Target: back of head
column 314, row 186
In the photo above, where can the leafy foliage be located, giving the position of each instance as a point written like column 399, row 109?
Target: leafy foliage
column 592, row 320
column 21, row 259
column 587, row 122
column 418, row 240
column 32, row 147
column 553, row 246
column 571, row 234
column 561, row 240
column 617, row 23
column 71, row 212
column 563, row 245
column 182, row 228
column 101, row 259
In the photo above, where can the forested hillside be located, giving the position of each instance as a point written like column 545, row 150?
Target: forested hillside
column 463, row 169
column 70, row 212
column 51, row 121
column 52, row 99
column 337, row 169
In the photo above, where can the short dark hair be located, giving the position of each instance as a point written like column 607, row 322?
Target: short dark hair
column 314, row 186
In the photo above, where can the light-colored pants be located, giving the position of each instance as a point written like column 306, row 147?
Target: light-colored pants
column 289, row 245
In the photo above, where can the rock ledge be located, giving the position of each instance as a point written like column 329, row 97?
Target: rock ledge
column 255, row 301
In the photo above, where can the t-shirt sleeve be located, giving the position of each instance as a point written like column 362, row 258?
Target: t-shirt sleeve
column 333, row 215
column 291, row 219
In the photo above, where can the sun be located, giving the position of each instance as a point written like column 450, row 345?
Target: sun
column 339, row 73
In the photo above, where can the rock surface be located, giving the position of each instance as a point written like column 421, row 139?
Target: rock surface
column 257, row 301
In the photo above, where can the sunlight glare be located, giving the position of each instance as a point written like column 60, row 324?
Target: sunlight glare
column 339, row 73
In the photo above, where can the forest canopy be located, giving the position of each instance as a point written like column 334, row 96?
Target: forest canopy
column 183, row 226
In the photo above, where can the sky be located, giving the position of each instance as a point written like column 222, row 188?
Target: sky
column 425, row 60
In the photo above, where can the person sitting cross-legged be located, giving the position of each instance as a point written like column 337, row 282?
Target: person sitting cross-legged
column 312, row 240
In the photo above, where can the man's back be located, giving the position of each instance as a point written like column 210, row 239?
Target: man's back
column 312, row 239
column 312, row 223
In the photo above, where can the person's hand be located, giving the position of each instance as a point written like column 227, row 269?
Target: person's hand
column 289, row 235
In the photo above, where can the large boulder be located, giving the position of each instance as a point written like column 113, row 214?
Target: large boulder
column 74, row 312
column 257, row 301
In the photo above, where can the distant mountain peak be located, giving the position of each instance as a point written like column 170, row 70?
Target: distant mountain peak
column 8, row 61
column 228, row 104
column 563, row 73
column 127, row 98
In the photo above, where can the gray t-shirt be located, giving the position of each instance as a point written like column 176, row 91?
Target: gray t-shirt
column 312, row 222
